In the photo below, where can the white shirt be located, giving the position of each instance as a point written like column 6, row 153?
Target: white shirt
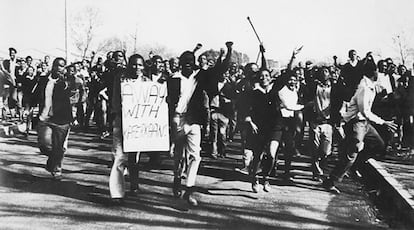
column 47, row 109
column 361, row 103
column 187, row 87
column 385, row 82
column 323, row 101
column 289, row 102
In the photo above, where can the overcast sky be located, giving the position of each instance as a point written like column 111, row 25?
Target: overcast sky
column 324, row 27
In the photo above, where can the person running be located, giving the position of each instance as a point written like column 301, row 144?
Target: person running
column 264, row 120
column 360, row 135
column 57, row 114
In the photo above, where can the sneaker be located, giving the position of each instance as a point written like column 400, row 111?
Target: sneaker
column 266, row 186
column 244, row 170
column 255, row 186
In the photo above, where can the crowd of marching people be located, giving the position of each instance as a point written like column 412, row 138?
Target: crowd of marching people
column 366, row 106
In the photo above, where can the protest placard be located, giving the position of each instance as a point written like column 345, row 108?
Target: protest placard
column 144, row 116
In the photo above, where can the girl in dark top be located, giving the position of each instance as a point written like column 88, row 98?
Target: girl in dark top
column 29, row 85
column 264, row 119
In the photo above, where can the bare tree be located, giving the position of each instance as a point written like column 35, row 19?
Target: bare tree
column 83, row 26
column 401, row 44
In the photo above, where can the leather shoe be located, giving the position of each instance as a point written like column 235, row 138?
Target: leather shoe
column 188, row 196
column 177, row 187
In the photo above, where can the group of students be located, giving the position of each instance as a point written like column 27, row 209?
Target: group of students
column 216, row 99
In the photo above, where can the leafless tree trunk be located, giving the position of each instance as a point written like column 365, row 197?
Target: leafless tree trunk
column 83, row 26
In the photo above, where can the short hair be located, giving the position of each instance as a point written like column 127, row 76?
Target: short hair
column 350, row 52
column 186, row 54
column 369, row 68
column 29, row 57
column 12, row 49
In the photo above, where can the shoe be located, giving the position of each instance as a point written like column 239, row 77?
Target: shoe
column 104, row 135
column 330, row 187
column 177, row 187
column 255, row 186
column 287, row 177
column 188, row 196
column 266, row 186
column 134, row 192
column 297, row 153
column 244, row 170
column 117, row 201
column 317, row 178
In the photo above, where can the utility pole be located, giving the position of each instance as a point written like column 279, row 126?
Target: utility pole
column 135, row 39
column 66, row 33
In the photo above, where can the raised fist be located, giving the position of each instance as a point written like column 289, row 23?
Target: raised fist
column 261, row 48
column 229, row 44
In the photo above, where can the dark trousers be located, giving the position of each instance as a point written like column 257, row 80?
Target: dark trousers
column 289, row 130
column 360, row 139
column 59, row 135
column 218, row 127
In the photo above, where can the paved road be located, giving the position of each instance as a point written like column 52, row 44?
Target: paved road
column 30, row 199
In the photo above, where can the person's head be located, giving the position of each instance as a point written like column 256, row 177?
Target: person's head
column 389, row 61
column 324, row 74
column 202, row 61
column 118, row 57
column 29, row 60
column 352, row 54
column 174, row 64
column 157, row 64
column 265, row 79
column 43, row 66
column 382, row 66
column 70, row 70
column 299, row 73
column 370, row 70
column 47, row 58
column 58, row 67
column 30, row 71
column 78, row 66
column 251, row 69
column 136, row 66
column 308, row 65
column 99, row 61
column 392, row 68
column 12, row 53
column 233, row 68
column 187, row 62
column 109, row 55
column 166, row 65
column 211, row 62
column 292, row 82
column 23, row 64
column 85, row 63
column 402, row 70
column 335, row 72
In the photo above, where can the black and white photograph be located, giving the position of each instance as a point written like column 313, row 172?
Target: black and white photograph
column 196, row 114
